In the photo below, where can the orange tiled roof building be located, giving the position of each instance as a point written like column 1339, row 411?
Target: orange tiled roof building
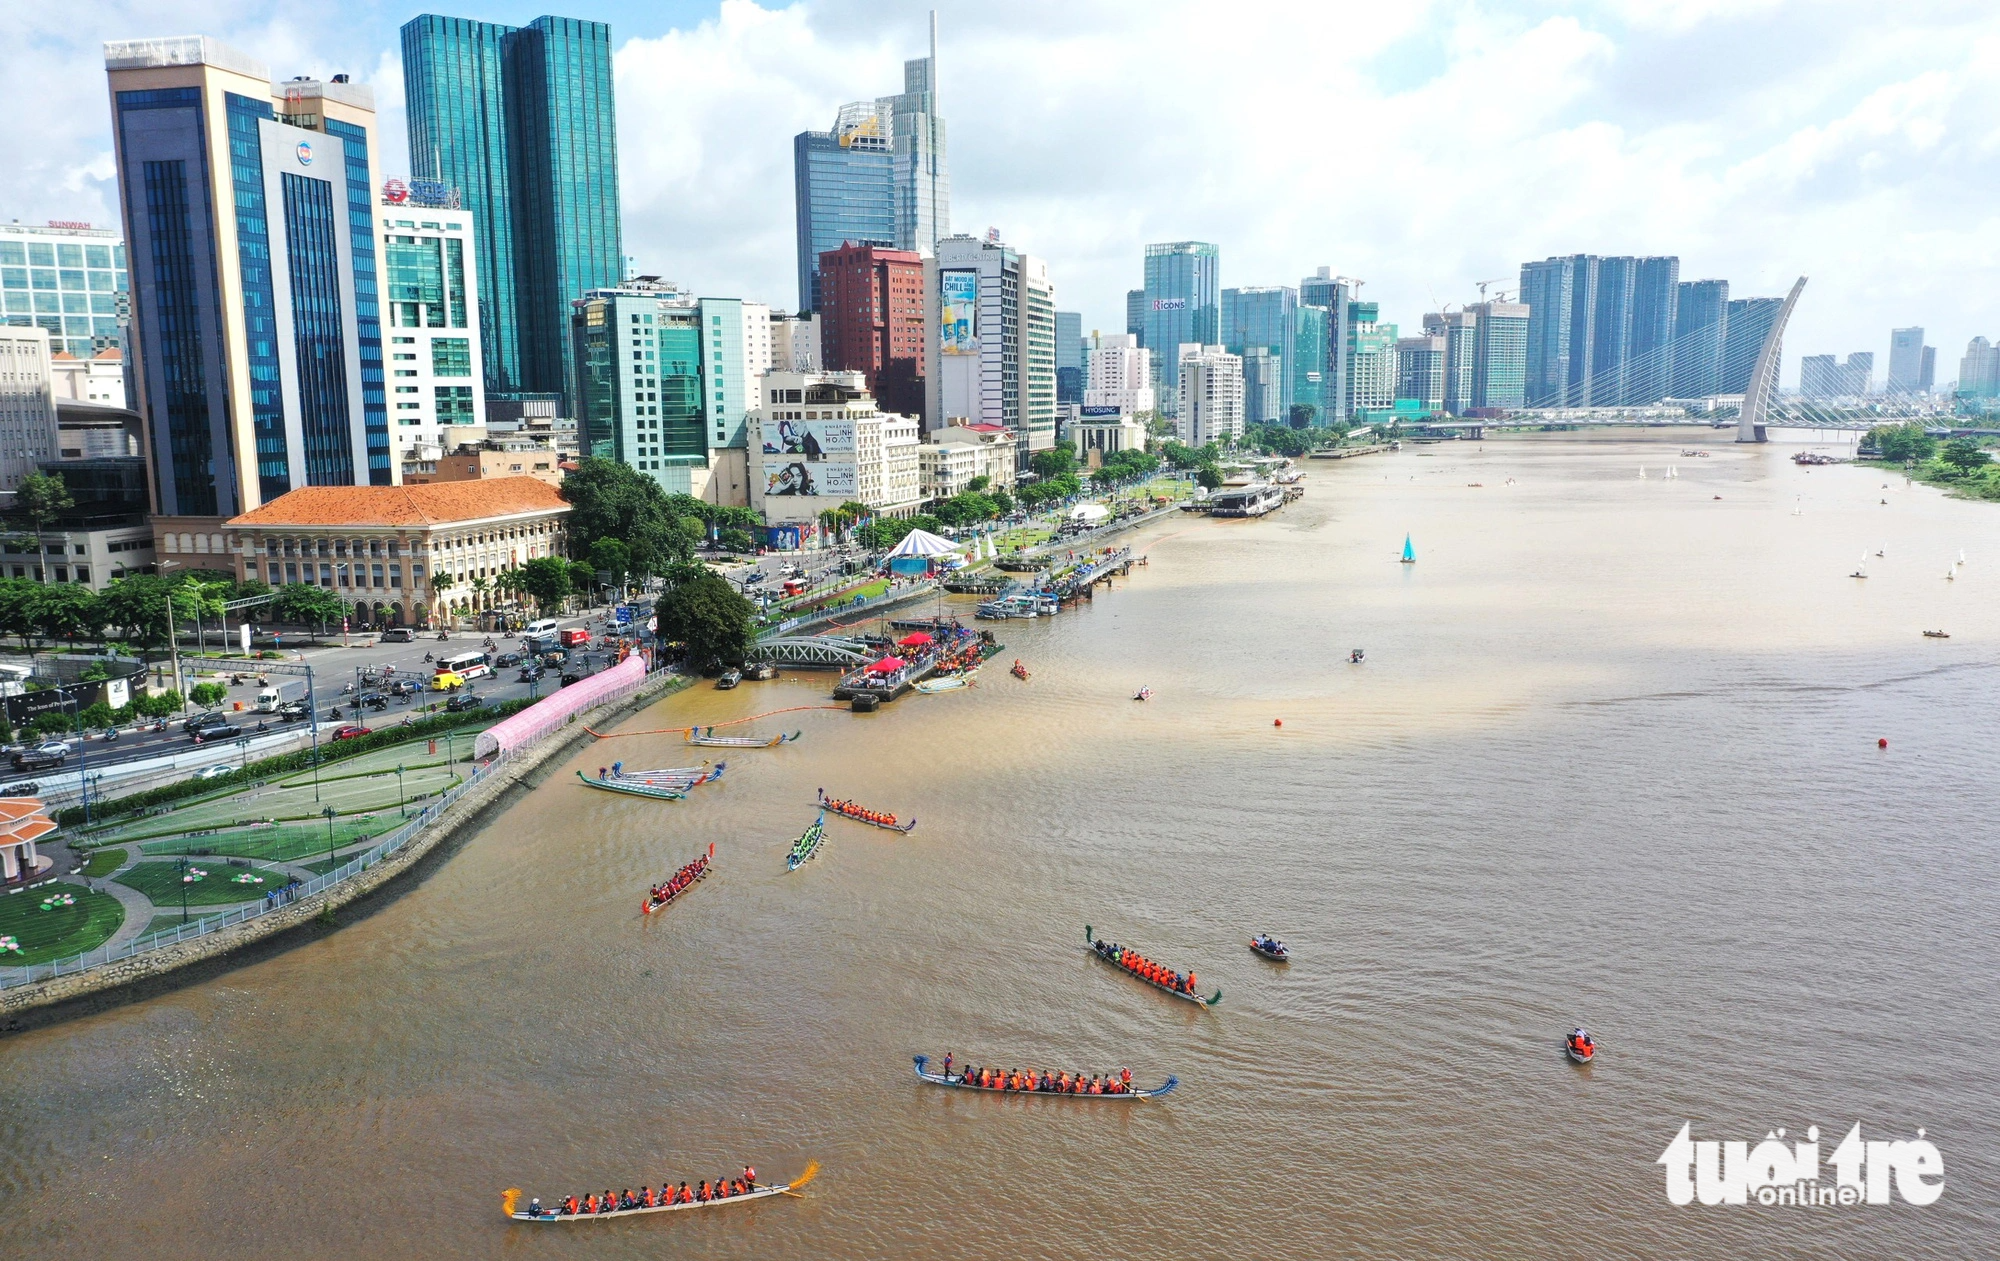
column 22, row 822
column 385, row 549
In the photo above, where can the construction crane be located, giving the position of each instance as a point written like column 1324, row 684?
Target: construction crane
column 1496, row 280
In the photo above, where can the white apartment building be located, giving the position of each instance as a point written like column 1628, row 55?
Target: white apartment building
column 98, row 379
column 1120, row 375
column 945, row 468
column 818, row 441
column 794, row 343
column 991, row 356
column 430, row 321
column 1098, row 436
column 1211, row 387
column 27, row 404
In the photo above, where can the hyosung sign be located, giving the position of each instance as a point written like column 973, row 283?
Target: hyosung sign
column 958, row 312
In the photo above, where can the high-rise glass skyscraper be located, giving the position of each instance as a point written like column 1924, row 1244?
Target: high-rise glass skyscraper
column 522, row 122
column 1748, row 323
column 1324, row 291
column 1183, row 305
column 1266, row 316
column 1649, row 375
column 1069, row 356
column 879, row 177
column 249, row 215
column 1701, row 318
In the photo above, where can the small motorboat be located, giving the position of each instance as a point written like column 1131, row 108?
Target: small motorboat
column 729, row 679
column 1356, row 656
column 1270, row 947
column 1144, row 693
column 1019, row 671
column 1580, row 1046
column 1937, row 634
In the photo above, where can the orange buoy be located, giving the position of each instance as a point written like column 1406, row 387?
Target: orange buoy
column 1277, row 722
column 1883, row 743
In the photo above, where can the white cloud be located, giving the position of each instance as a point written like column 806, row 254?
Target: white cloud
column 1422, row 145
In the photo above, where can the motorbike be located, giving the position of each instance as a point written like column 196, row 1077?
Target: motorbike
column 443, row 638
column 429, row 658
column 263, row 727
column 158, row 726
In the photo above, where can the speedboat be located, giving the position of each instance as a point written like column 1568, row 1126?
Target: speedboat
column 729, row 679
column 1356, row 656
column 1580, row 1046
column 1270, row 947
column 1019, row 671
column 1143, row 693
column 1936, row 634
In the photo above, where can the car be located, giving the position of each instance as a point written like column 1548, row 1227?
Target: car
column 529, row 673
column 55, row 747
column 397, row 635
column 507, row 661
column 462, row 702
column 27, row 788
column 373, row 700
column 215, row 772
column 405, row 687
column 351, row 733
column 448, row 681
column 215, row 731
column 208, row 718
column 35, row 760
column 292, row 711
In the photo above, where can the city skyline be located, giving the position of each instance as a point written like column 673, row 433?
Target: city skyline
column 1838, row 180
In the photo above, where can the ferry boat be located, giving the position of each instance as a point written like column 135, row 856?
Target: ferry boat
column 1246, row 501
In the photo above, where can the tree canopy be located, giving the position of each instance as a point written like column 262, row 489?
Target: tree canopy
column 610, row 500
column 1902, row 442
column 1965, row 455
column 706, row 614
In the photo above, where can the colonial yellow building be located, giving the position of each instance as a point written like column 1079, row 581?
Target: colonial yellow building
column 384, row 549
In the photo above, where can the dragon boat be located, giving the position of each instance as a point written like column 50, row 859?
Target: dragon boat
column 1113, row 956
column 848, row 810
column 510, row 1200
column 959, row 1083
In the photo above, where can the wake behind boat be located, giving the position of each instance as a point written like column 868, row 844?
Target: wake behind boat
column 861, row 814
column 1160, row 978
column 667, row 1199
column 1060, row 1085
column 807, row 845
column 697, row 735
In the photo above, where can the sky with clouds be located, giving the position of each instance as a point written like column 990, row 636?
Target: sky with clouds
column 1423, row 145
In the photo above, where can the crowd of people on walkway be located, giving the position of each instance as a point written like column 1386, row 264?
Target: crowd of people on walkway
column 646, row 1197
column 1145, row 969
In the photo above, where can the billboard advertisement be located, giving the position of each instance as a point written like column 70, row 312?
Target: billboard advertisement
column 958, row 312
column 800, row 478
column 809, row 439
column 1170, row 304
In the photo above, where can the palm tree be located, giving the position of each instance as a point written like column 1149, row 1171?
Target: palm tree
column 440, row 584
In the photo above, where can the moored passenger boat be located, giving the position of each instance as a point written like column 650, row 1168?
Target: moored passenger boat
column 707, row 737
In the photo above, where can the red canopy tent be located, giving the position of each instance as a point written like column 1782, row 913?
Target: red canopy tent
column 887, row 665
column 915, row 639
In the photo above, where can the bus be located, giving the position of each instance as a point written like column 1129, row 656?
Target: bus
column 467, row 665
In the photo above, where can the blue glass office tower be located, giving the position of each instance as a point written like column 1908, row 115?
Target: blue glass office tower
column 257, row 344
column 845, row 185
column 1183, row 304
column 1069, row 356
column 1701, row 318
column 1266, row 316
column 522, row 122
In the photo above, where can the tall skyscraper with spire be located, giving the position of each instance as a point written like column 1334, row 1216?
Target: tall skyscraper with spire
column 879, row 177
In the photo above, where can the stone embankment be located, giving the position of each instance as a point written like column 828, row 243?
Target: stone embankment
column 459, row 821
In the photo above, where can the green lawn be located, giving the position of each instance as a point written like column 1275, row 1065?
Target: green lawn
column 369, row 783
column 103, row 862
column 60, row 932
column 162, row 883
column 285, row 842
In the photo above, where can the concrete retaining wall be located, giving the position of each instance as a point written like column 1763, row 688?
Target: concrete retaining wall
column 465, row 815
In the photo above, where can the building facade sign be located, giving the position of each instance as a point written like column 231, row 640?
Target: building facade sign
column 810, row 439
column 800, row 478
column 958, row 307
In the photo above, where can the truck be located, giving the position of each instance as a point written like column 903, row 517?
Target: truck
column 279, row 692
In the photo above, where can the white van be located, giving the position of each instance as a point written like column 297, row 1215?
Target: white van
column 542, row 626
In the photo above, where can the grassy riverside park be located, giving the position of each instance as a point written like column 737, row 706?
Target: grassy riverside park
column 59, row 931
column 219, row 886
column 273, row 831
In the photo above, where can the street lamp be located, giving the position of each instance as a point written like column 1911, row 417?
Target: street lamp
column 329, row 812
column 400, row 799
column 186, row 880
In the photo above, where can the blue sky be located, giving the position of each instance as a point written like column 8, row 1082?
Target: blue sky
column 1421, row 146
